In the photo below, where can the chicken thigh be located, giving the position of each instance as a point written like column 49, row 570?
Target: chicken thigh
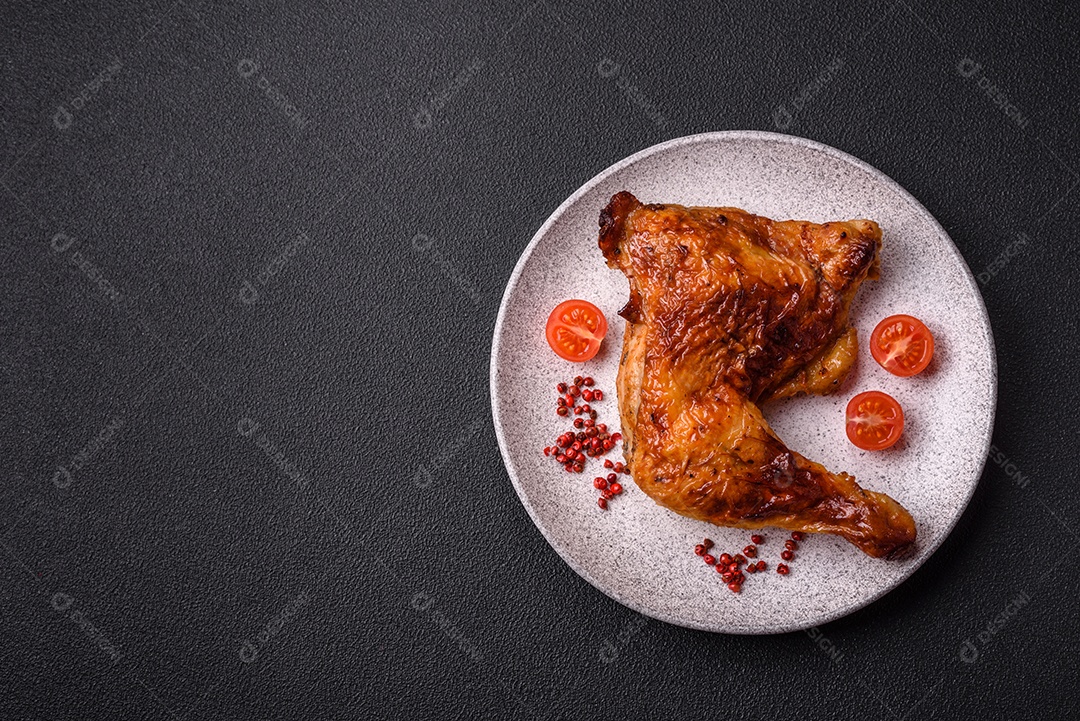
column 728, row 310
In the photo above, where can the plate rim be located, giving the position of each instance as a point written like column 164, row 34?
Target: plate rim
column 710, row 137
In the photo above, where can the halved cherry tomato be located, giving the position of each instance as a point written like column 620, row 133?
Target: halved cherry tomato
column 575, row 329
column 874, row 420
column 902, row 345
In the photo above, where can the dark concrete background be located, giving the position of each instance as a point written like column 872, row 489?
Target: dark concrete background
column 251, row 262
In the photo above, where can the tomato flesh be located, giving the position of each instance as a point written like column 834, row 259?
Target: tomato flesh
column 575, row 330
column 875, row 421
column 902, row 345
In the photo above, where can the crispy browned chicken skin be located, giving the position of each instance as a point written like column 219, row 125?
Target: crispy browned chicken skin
column 728, row 310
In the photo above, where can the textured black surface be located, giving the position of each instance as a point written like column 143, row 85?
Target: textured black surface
column 361, row 553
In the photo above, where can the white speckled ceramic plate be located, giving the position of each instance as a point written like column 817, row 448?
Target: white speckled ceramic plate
column 641, row 554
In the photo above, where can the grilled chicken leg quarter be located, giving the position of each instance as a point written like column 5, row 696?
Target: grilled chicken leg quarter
column 728, row 310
